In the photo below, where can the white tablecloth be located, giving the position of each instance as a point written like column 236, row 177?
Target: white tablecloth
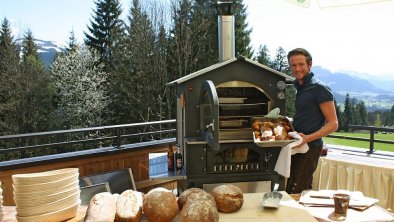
column 373, row 176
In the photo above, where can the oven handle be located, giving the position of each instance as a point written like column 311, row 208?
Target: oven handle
column 210, row 125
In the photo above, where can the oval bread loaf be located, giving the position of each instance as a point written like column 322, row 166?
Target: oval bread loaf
column 129, row 206
column 160, row 205
column 228, row 198
column 102, row 207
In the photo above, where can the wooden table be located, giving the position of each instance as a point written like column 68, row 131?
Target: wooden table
column 289, row 210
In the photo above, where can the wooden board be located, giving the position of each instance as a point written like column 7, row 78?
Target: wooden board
column 252, row 210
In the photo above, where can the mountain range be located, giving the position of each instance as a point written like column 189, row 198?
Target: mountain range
column 371, row 92
column 374, row 92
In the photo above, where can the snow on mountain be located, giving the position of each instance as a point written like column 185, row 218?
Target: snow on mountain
column 47, row 50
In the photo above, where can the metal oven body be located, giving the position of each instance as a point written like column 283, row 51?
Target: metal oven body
column 215, row 106
column 214, row 111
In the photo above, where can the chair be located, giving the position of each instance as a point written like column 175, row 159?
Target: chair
column 88, row 192
column 119, row 180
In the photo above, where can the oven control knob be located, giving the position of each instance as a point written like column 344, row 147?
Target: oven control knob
column 281, row 85
column 281, row 95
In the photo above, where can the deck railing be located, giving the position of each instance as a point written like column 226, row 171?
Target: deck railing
column 62, row 141
column 372, row 130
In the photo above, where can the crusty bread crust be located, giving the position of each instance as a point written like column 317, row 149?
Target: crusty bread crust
column 199, row 210
column 228, row 198
column 160, row 205
column 102, row 207
column 129, row 206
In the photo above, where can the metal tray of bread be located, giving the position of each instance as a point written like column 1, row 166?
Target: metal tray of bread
column 273, row 143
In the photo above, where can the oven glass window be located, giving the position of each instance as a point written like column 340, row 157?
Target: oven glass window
column 237, row 155
column 206, row 113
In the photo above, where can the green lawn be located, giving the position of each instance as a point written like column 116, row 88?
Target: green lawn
column 362, row 144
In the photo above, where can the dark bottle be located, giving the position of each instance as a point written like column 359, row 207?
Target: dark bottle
column 178, row 159
column 170, row 158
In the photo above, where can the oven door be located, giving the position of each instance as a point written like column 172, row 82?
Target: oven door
column 209, row 114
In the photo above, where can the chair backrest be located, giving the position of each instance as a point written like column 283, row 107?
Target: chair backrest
column 88, row 192
column 119, row 180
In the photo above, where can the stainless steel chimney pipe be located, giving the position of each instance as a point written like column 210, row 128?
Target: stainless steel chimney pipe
column 226, row 27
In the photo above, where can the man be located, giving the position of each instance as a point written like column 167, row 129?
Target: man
column 315, row 118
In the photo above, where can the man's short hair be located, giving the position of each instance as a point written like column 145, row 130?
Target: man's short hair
column 300, row 51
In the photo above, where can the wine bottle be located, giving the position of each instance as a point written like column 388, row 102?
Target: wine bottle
column 178, row 159
column 170, row 158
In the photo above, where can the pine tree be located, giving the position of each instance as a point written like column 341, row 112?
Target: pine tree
column 163, row 95
column 105, row 29
column 280, row 62
column 263, row 56
column 204, row 35
column 180, row 39
column 72, row 43
column 339, row 115
column 356, row 119
column 242, row 33
column 378, row 121
column 347, row 115
column 9, row 71
column 29, row 47
column 362, row 113
column 34, row 94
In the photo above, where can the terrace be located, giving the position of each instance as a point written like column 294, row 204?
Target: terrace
column 109, row 148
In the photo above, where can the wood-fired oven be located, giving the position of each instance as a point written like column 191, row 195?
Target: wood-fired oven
column 215, row 107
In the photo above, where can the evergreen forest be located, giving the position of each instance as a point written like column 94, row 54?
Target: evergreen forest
column 118, row 74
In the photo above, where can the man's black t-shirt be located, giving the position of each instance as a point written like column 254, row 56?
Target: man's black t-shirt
column 308, row 117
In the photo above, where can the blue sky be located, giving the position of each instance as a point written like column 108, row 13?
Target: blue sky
column 356, row 38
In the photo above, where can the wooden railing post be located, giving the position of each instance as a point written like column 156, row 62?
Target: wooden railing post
column 118, row 138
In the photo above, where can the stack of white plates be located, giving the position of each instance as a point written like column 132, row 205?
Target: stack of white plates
column 1, row 203
column 47, row 196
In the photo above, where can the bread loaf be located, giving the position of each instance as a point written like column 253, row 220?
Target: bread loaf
column 102, row 207
column 160, row 205
column 228, row 198
column 129, row 206
column 193, row 194
column 199, row 210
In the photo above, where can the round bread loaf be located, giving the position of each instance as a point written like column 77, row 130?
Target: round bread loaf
column 129, row 206
column 159, row 205
column 193, row 194
column 228, row 198
column 199, row 210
